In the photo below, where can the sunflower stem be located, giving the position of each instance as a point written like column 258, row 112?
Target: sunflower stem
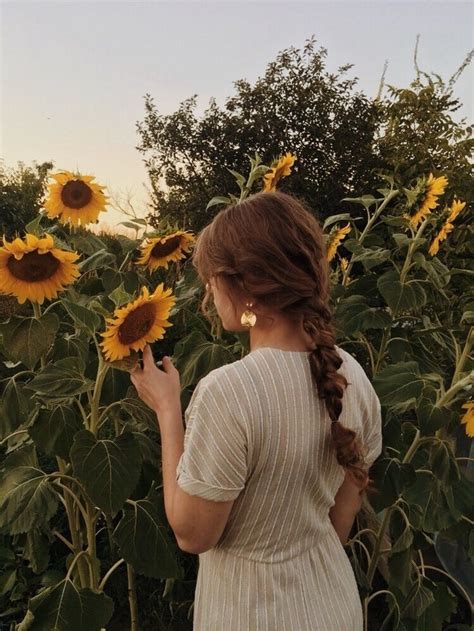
column 94, row 418
column 37, row 312
column 132, row 598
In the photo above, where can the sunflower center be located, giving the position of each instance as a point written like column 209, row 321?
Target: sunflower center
column 33, row 267
column 76, row 194
column 137, row 323
column 163, row 249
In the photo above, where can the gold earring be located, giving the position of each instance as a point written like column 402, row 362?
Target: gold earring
column 248, row 317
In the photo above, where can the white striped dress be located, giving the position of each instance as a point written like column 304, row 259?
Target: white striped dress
column 257, row 433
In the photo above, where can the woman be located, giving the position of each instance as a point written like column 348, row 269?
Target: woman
column 269, row 479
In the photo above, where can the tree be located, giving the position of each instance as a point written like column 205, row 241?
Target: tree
column 21, row 192
column 296, row 106
column 419, row 134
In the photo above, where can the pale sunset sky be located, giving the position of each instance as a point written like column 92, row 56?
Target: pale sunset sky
column 73, row 74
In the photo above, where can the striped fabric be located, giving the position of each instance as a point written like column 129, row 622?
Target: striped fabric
column 257, row 433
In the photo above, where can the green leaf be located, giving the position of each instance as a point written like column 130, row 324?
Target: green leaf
column 401, row 239
column 239, row 177
column 108, row 469
column 111, row 279
column 353, row 314
column 88, row 243
column 393, row 476
column 60, row 380
column 54, row 430
column 34, row 226
column 400, row 568
column 144, row 542
column 15, row 406
column 119, row 296
column 196, row 356
column 116, row 386
column 419, row 598
column 65, row 607
column 149, row 448
column 370, row 257
column 37, row 550
column 399, row 383
column 218, row 200
column 84, row 317
column 138, row 410
column 401, row 532
column 30, row 339
column 444, row 606
column 73, row 346
column 399, row 296
column 366, row 200
column 443, row 463
column 27, row 499
column 438, row 273
column 98, row 260
column 436, row 502
column 340, row 217
column 431, row 417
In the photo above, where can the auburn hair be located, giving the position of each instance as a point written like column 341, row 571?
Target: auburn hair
column 271, row 249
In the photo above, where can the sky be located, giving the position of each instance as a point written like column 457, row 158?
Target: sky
column 73, row 75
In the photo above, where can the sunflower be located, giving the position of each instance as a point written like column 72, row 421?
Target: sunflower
column 447, row 227
column 74, row 198
column 137, row 323
column 280, row 168
column 434, row 188
column 159, row 251
column 468, row 418
column 34, row 269
column 335, row 239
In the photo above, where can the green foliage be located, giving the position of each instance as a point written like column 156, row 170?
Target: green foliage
column 151, row 555
column 297, row 105
column 21, row 190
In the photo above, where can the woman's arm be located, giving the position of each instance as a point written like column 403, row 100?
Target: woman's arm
column 348, row 502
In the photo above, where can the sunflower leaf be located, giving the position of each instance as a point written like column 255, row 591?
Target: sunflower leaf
column 99, row 259
column 31, row 339
column 54, row 430
column 108, row 469
column 144, row 542
column 65, row 607
column 60, row 380
column 84, row 318
column 34, row 227
column 218, row 200
column 28, row 499
column 119, row 296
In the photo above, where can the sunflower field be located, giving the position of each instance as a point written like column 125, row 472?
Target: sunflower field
column 84, row 541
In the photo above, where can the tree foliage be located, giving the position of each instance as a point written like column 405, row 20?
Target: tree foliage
column 21, row 190
column 296, row 106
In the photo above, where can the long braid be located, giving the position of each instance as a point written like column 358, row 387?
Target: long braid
column 325, row 362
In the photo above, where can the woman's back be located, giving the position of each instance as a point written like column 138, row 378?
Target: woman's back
column 276, row 432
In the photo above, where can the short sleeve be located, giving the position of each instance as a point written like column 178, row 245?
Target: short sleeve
column 372, row 425
column 213, row 464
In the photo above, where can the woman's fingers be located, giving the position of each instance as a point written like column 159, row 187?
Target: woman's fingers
column 148, row 360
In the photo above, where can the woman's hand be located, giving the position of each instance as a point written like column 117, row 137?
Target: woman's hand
column 159, row 389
